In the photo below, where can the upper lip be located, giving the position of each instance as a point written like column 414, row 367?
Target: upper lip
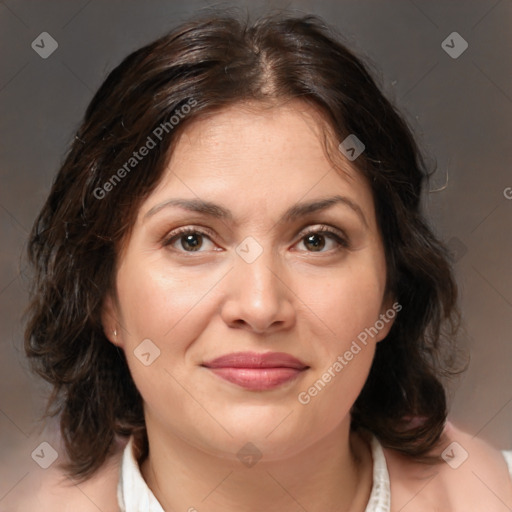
column 256, row 360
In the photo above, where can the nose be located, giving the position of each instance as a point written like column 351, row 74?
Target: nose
column 258, row 296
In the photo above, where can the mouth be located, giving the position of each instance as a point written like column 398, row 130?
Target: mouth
column 255, row 371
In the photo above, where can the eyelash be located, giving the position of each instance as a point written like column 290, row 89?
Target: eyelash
column 340, row 239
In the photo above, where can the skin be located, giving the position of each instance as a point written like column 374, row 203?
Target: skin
column 257, row 163
column 482, row 482
column 197, row 305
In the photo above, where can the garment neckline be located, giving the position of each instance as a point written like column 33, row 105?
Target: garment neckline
column 134, row 495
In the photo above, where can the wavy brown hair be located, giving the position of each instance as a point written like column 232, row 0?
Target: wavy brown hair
column 215, row 62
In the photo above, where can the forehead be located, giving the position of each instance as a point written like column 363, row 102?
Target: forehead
column 259, row 131
column 254, row 154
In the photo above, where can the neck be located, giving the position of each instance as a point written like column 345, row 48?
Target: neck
column 335, row 473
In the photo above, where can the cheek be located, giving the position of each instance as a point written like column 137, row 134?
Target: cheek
column 168, row 308
column 346, row 301
column 171, row 311
column 343, row 309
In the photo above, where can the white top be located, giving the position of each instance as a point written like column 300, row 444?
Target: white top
column 134, row 495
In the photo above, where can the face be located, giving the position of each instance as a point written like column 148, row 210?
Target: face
column 283, row 288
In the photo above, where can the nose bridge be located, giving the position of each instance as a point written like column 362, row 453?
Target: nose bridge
column 255, row 266
column 257, row 295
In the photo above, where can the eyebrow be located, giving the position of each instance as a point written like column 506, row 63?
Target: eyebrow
column 294, row 212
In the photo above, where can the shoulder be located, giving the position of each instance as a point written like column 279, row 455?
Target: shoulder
column 51, row 489
column 472, row 476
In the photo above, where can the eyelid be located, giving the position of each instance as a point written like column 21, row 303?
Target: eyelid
column 324, row 228
column 176, row 233
column 340, row 237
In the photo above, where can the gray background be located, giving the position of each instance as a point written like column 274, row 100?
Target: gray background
column 460, row 108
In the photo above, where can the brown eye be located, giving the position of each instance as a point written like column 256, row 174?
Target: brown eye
column 187, row 240
column 193, row 241
column 316, row 241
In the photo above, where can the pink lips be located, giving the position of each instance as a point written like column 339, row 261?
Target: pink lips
column 257, row 372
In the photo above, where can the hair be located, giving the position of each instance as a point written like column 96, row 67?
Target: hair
column 212, row 63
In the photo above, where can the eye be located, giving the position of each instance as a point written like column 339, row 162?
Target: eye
column 189, row 239
column 318, row 239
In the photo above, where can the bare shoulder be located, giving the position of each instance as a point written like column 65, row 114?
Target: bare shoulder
column 51, row 489
column 472, row 475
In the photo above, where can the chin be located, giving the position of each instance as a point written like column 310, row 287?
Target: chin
column 272, row 432
column 257, row 444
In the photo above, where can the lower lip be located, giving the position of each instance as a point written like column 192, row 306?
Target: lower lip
column 257, row 379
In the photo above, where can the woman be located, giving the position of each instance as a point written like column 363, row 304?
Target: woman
column 237, row 299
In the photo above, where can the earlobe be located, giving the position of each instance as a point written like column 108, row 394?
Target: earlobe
column 388, row 313
column 109, row 321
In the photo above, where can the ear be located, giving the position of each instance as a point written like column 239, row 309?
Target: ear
column 389, row 311
column 110, row 322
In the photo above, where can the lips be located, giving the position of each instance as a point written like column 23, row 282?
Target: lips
column 257, row 371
